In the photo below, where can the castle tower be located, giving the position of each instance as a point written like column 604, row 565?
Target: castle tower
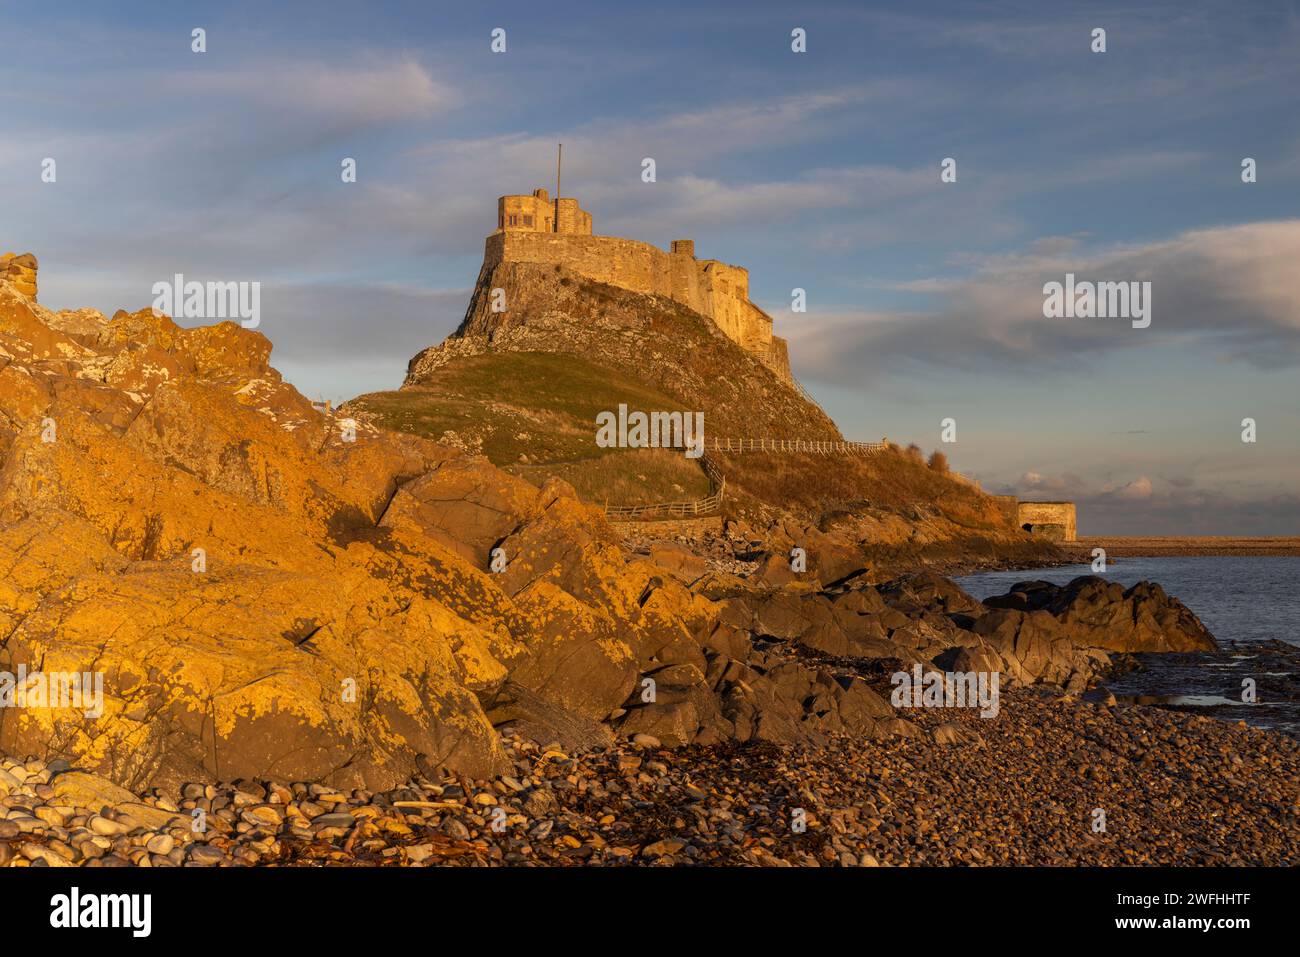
column 717, row 290
column 571, row 218
column 534, row 213
column 537, row 213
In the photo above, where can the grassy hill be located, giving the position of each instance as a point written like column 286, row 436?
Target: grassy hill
column 534, row 413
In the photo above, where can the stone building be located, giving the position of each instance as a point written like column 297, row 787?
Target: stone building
column 536, row 229
column 1054, row 520
column 538, row 213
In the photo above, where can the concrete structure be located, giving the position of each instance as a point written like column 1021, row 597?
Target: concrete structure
column 535, row 229
column 1054, row 520
column 21, row 271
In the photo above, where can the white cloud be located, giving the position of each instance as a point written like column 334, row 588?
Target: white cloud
column 1181, row 505
column 1135, row 491
column 365, row 94
column 1231, row 291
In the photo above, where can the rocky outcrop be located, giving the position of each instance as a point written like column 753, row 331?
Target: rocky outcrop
column 269, row 591
column 859, row 624
column 1103, row 614
column 20, row 272
column 653, row 339
column 1032, row 648
column 1037, row 634
column 275, row 592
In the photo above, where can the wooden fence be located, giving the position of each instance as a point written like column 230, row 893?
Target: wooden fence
column 704, row 506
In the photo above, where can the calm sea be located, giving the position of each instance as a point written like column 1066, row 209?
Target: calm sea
column 1247, row 602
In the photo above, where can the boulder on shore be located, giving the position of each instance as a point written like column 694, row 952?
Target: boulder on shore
column 1103, row 614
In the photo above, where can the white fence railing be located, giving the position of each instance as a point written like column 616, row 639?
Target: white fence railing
column 815, row 446
column 718, row 481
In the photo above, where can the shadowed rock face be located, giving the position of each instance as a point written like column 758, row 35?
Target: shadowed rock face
column 1103, row 614
column 266, row 598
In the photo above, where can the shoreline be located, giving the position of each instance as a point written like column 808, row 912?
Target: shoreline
column 1033, row 781
column 1155, row 546
column 1197, row 682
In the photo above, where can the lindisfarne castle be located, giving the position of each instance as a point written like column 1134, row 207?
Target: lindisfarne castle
column 534, row 228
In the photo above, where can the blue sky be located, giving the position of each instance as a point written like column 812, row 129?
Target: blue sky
column 817, row 170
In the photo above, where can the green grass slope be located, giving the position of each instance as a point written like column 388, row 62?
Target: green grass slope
column 534, row 414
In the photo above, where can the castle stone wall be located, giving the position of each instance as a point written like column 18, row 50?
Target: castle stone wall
column 1054, row 520
column 714, row 289
column 533, row 229
column 632, row 265
column 571, row 218
column 778, row 357
column 685, row 283
column 755, row 328
column 726, row 290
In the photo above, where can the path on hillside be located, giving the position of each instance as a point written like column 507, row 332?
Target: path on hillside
column 718, row 482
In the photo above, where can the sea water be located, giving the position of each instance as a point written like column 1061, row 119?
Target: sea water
column 1245, row 601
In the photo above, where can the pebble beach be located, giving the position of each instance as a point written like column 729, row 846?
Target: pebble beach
column 1025, row 788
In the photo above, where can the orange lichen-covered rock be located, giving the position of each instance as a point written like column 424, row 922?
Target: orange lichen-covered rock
column 255, row 588
column 20, row 271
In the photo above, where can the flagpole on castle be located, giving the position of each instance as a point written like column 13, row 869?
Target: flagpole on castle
column 559, row 158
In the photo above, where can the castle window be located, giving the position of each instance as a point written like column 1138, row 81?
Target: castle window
column 528, row 220
column 514, row 220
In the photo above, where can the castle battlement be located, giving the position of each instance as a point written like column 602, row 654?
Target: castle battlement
column 538, row 213
column 536, row 229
